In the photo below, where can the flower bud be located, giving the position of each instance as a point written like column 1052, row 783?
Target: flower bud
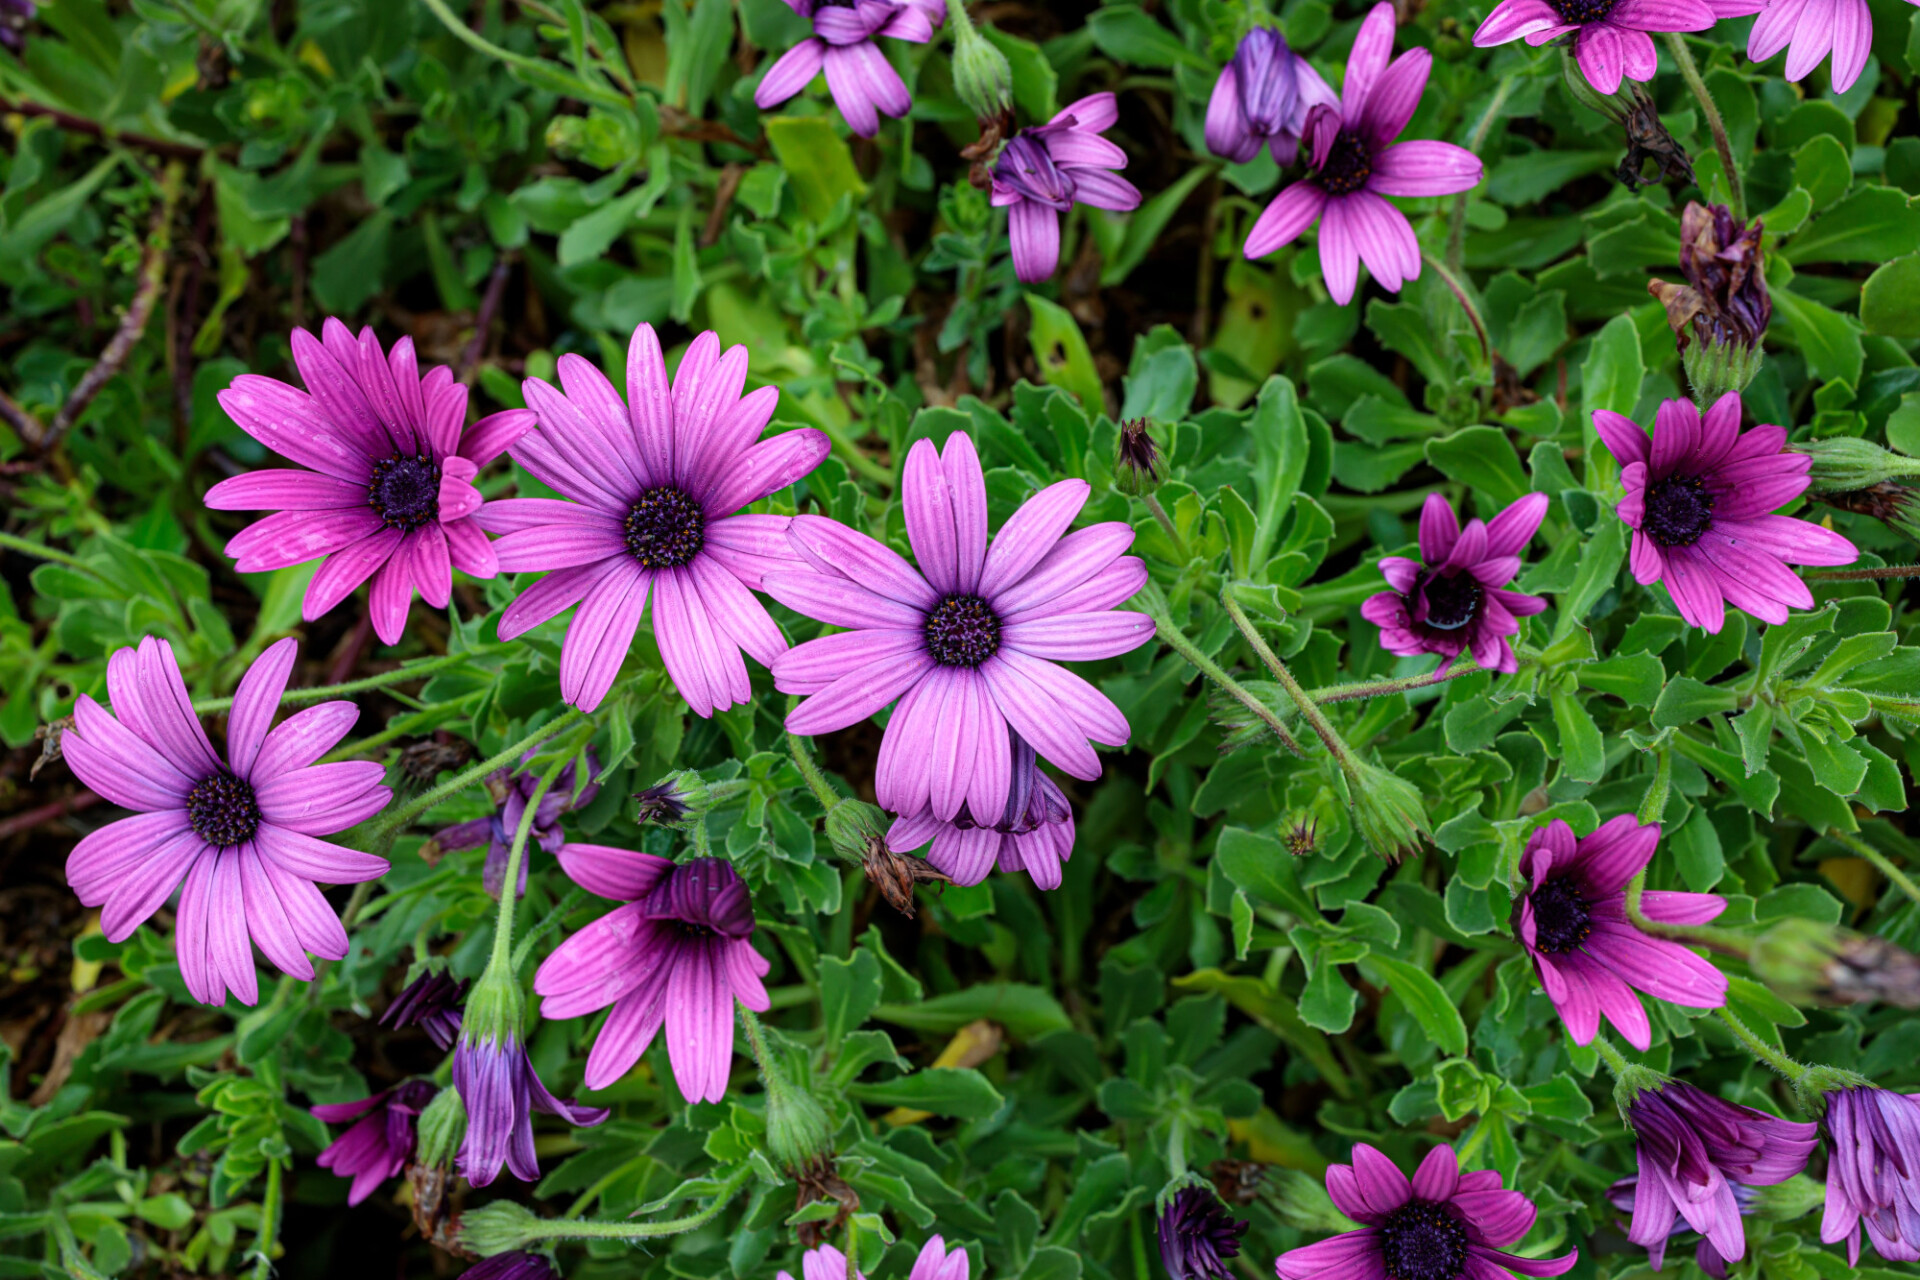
column 1716, row 366
column 1137, row 468
column 1844, row 464
column 674, row 799
column 1806, row 961
column 499, row 1226
column 495, row 1009
column 798, row 1131
column 1387, row 810
column 981, row 75
column 1786, row 1201
column 441, row 1129
column 855, row 828
column 598, row 139
column 1301, row 1202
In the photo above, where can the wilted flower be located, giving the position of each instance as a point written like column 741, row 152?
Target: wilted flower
column 1303, row 835
column 672, row 800
column 1720, row 314
column 1873, row 1172
column 1262, row 98
column 1198, row 1235
column 1137, row 469
column 431, row 1001
column 381, row 1143
column 863, row 83
column 14, row 17
column 1610, row 39
column 1647, row 138
column 1033, row 833
column 1043, row 172
column 511, row 792
column 1808, row 961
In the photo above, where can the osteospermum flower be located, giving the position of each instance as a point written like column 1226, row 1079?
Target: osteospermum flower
column 970, row 641
column 936, row 1262
column 655, row 483
column 511, row 791
column 1033, row 833
column 1356, row 163
column 1811, row 29
column 431, row 1002
column 387, row 487
column 863, row 83
column 1262, row 98
column 1454, row 603
column 1198, row 1235
column 1621, row 1196
column 500, row 1090
column 380, row 1144
column 1873, row 1172
column 678, row 954
column 1043, row 172
column 515, row 1264
column 238, row 837
column 1443, row 1225
column 1610, row 40
column 1698, row 500
column 1590, row 958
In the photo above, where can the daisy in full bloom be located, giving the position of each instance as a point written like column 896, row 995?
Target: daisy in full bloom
column 1698, row 500
column 1262, row 98
column 1610, row 40
column 656, row 482
column 386, row 490
column 936, row 1262
column 1811, row 29
column 1455, row 603
column 1034, row 833
column 1590, row 957
column 1873, row 1172
column 863, row 83
column 1441, row 1225
column 238, row 837
column 380, row 1144
column 1356, row 163
column 677, row 955
column 970, row 642
column 1043, row 172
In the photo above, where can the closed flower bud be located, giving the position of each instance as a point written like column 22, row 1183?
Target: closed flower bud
column 798, row 1131
column 499, row 1226
column 1387, row 810
column 1137, row 470
column 855, row 828
column 1302, row 1203
column 981, row 75
column 442, row 1127
column 1805, row 961
column 1845, row 464
column 673, row 800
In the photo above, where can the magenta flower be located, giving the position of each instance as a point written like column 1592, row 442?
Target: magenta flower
column 1458, row 605
column 1610, row 39
column 240, row 833
column 431, row 1002
column 1198, row 1235
column 501, row 1091
column 1811, row 29
column 512, row 791
column 516, row 1264
column 1034, row 833
column 677, row 954
column 379, row 1146
column 1621, row 1196
column 864, row 84
column 656, row 481
column 935, row 1262
column 1873, row 1172
column 1698, row 499
column 1573, row 923
column 1693, row 1149
column 1443, row 1225
column 387, row 486
column 1356, row 163
column 1043, row 172
column 970, row 641
column 1262, row 98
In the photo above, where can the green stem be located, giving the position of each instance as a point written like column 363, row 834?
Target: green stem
column 39, row 552
column 1690, row 72
column 1878, row 572
column 1880, row 861
column 1166, row 526
column 538, row 66
column 269, row 1223
column 1177, row 641
column 574, row 1229
column 1457, row 220
column 1399, row 684
column 398, row 820
column 510, row 885
column 1336, row 745
column 1725, row 941
column 548, row 923
column 1465, row 300
column 1795, row 1073
column 322, row 692
column 1655, row 802
column 1141, row 1271
column 816, row 781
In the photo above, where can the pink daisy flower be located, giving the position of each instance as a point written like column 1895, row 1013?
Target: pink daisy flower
column 1610, row 40
column 1356, row 163
column 1262, row 99
column 1034, row 833
column 1042, row 173
column 935, row 1262
column 381, row 1143
column 1698, row 498
column 237, row 837
column 863, row 83
column 1811, row 29
column 386, row 490
column 1572, row 920
column 656, row 481
column 1873, row 1172
column 970, row 641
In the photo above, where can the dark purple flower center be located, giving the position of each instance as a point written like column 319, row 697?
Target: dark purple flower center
column 1562, row 919
column 1027, row 167
column 1678, row 510
column 962, row 631
column 222, row 811
column 1452, row 602
column 405, row 491
column 1422, row 1240
column 665, row 528
column 1349, row 164
column 1583, row 11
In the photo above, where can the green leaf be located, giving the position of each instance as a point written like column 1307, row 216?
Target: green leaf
column 1686, row 700
column 1481, row 457
column 1823, row 168
column 849, row 992
column 355, row 268
column 1426, row 1001
column 1061, row 351
column 1829, row 340
column 1634, row 678
column 1890, row 301
column 1583, row 753
column 962, row 1093
column 1034, row 80
column 1280, row 449
column 1026, row 1012
column 1261, row 865
column 1145, row 224
column 1874, row 224
column 1127, row 35
column 819, row 166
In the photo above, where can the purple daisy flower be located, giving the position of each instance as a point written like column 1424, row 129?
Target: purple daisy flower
column 236, row 837
column 1873, row 1172
column 970, row 642
column 516, row 1264
column 432, row 1002
column 656, row 481
column 863, row 83
column 1621, row 1196
column 1356, row 164
column 501, row 1091
column 512, row 791
column 379, row 1146
column 1693, row 1149
column 1573, row 923
column 1262, row 98
column 1610, row 39
column 387, row 490
column 1457, row 605
column 1698, row 498
column 678, row 954
column 935, row 1262
column 1443, row 1225
column 1034, row 832
column 1043, row 172
column 1198, row 1235
column 1811, row 29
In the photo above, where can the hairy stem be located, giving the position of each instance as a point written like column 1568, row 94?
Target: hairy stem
column 398, row 820
column 1465, row 300
column 548, row 923
column 322, row 692
column 1165, row 522
column 1309, row 710
column 1177, row 641
column 1881, row 863
column 1795, row 1073
column 1866, row 575
column 816, row 780
column 1690, row 72
column 510, row 885
column 40, row 552
column 574, row 1229
column 1724, row 941
column 1399, row 684
column 1457, row 219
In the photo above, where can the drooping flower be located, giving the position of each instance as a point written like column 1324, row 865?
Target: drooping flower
column 1043, row 172
column 1873, row 1172
column 1033, row 833
column 864, row 84
column 1262, row 98
column 1693, row 1149
column 1455, row 603
column 516, row 1264
column 1698, row 499
column 1443, row 1225
column 432, row 1002
column 1590, row 958
column 970, row 641
column 1198, row 1235
column 380, row 1144
column 656, row 483
column 386, row 486
column 237, row 837
column 1621, row 1196
column 511, row 791
column 1811, row 29
column 1356, row 163
column 1720, row 314
column 1610, row 40
column 935, row 1262
column 500, row 1089
column 678, row 954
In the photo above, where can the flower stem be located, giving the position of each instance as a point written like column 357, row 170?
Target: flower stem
column 40, row 552
column 1316, row 718
column 1166, row 526
column 1866, row 575
column 575, row 1229
column 269, row 1223
column 1655, row 802
column 962, row 20
column 1795, row 1073
column 1457, row 219
column 539, row 66
column 1880, row 861
column 1177, row 641
column 319, row 693
column 816, row 781
column 1465, row 300
column 1690, row 72
column 399, row 818
column 1399, row 684
column 548, row 923
column 510, row 885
